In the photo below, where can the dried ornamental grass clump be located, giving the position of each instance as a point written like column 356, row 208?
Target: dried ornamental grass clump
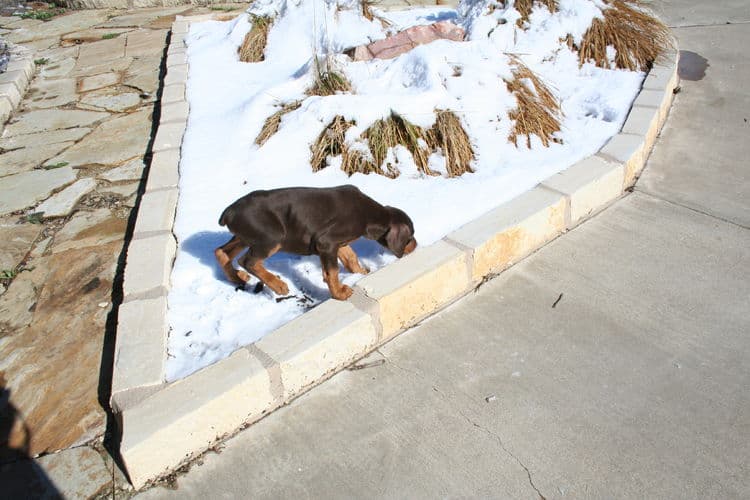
column 330, row 142
column 537, row 111
column 394, row 131
column 327, row 81
column 254, row 44
column 271, row 125
column 449, row 135
column 637, row 36
column 524, row 7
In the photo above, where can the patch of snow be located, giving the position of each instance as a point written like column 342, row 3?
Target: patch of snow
column 230, row 100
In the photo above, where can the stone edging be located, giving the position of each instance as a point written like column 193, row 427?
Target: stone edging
column 15, row 81
column 164, row 425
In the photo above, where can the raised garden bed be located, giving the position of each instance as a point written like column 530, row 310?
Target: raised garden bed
column 184, row 417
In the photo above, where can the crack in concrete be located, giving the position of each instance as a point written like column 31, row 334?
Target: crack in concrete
column 687, row 207
column 472, row 422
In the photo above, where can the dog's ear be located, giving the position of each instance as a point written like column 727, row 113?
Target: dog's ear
column 397, row 238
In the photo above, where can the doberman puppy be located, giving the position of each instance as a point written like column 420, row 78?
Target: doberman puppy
column 309, row 221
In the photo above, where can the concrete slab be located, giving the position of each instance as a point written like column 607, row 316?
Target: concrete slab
column 633, row 385
column 697, row 164
column 696, row 12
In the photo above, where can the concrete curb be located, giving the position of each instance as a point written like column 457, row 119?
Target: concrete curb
column 15, row 81
column 165, row 425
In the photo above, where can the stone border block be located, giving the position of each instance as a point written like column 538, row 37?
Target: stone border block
column 630, row 150
column 589, row 185
column 505, row 235
column 317, row 344
column 156, row 213
column 176, row 58
column 10, row 91
column 18, row 78
column 174, row 112
column 140, row 347
column 164, row 171
column 188, row 416
column 415, row 286
column 24, row 63
column 169, row 136
column 173, row 93
column 148, row 266
column 176, row 74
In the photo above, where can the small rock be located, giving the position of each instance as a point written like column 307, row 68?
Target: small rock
column 491, row 398
column 63, row 202
column 103, row 304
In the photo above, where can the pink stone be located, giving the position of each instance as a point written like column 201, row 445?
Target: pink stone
column 406, row 40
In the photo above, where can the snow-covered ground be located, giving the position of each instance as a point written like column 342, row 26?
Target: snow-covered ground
column 230, row 100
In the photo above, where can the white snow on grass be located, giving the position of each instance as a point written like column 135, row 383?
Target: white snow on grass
column 230, row 100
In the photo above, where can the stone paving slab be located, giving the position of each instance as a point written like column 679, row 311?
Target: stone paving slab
column 130, row 133
column 52, row 119
column 25, row 189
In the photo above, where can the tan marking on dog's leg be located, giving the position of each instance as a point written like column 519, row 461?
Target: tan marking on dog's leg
column 274, row 282
column 338, row 290
column 349, row 259
column 225, row 254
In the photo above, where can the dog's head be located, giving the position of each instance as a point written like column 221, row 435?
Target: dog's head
column 399, row 237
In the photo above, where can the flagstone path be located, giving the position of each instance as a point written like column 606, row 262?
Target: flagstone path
column 75, row 149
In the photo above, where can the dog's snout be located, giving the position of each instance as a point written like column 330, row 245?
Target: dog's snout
column 410, row 246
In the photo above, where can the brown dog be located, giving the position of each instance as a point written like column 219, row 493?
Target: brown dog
column 307, row 221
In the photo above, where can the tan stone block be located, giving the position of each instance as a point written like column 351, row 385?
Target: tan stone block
column 631, row 151
column 176, row 58
column 156, row 212
column 190, row 415
column 6, row 108
column 25, row 64
column 173, row 93
column 140, row 348
column 176, row 74
column 174, row 112
column 98, row 81
column 10, row 91
column 169, row 136
column 319, row 343
column 180, row 26
column 17, row 78
column 149, row 265
column 417, row 285
column 589, row 185
column 643, row 121
column 164, row 171
column 511, row 231
column 145, row 42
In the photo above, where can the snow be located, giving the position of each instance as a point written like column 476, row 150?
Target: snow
column 230, row 100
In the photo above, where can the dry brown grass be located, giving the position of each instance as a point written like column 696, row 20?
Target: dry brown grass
column 449, row 135
column 271, row 125
column 254, row 44
column 330, row 142
column 537, row 112
column 524, row 7
column 637, row 36
column 328, row 81
column 397, row 130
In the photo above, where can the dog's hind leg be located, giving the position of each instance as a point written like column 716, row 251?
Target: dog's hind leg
column 225, row 254
column 348, row 258
column 253, row 262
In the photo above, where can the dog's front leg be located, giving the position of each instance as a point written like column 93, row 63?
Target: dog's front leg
column 348, row 257
column 330, row 264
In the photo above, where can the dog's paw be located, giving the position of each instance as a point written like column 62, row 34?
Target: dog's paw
column 281, row 288
column 345, row 292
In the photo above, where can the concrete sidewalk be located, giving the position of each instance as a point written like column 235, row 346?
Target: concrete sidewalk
column 610, row 364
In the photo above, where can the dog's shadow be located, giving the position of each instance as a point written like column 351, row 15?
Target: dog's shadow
column 291, row 267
